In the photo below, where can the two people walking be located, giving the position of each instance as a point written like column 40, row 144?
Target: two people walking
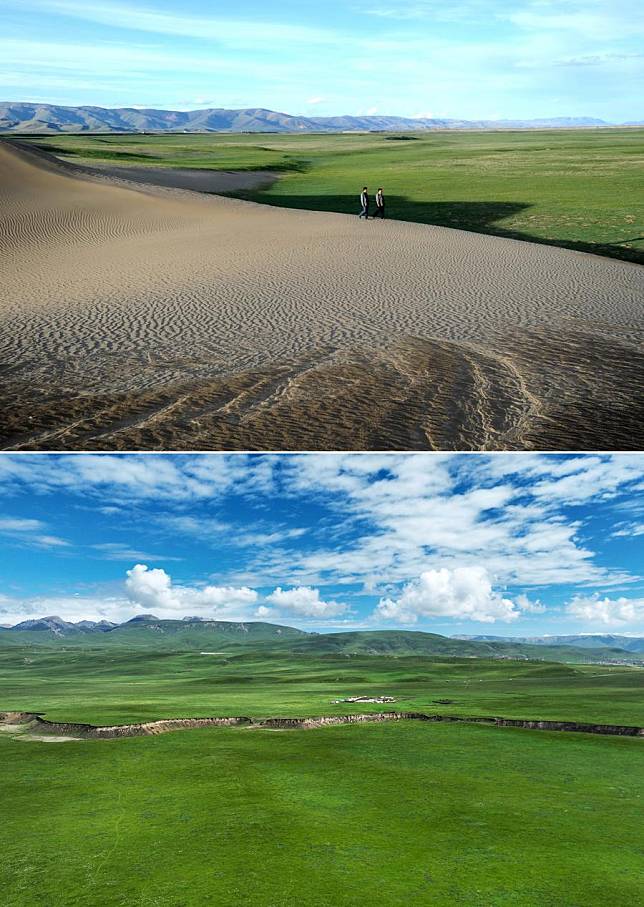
column 365, row 202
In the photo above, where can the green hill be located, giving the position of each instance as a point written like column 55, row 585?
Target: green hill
column 415, row 642
column 147, row 632
column 194, row 634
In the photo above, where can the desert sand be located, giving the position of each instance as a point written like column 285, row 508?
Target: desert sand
column 141, row 317
column 216, row 181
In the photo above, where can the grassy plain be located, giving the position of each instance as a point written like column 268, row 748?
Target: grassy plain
column 574, row 188
column 383, row 814
column 104, row 687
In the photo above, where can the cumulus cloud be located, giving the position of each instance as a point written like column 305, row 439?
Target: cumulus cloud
column 305, row 601
column 153, row 589
column 608, row 611
column 464, row 593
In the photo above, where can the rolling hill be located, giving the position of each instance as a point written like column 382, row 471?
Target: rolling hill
column 25, row 117
column 415, row 642
column 148, row 632
column 586, row 641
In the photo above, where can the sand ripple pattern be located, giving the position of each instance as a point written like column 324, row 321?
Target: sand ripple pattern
column 152, row 318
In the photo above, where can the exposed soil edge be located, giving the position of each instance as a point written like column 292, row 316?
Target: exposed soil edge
column 31, row 722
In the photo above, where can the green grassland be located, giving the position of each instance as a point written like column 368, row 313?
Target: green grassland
column 387, row 814
column 575, row 188
column 125, row 686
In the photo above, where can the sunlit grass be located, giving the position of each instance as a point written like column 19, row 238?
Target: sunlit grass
column 387, row 814
column 574, row 188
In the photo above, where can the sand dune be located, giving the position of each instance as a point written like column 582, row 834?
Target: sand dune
column 217, row 181
column 144, row 317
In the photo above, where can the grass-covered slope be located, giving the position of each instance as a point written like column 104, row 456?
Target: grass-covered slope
column 122, row 686
column 410, row 642
column 150, row 633
column 387, row 814
column 579, row 641
column 380, row 814
column 573, row 188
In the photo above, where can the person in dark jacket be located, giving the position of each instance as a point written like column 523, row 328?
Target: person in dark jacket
column 380, row 204
column 364, row 202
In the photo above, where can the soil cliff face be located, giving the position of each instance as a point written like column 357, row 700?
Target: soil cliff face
column 620, row 730
column 32, row 723
column 41, row 726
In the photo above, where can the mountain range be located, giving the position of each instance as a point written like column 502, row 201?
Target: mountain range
column 16, row 116
column 145, row 631
column 580, row 641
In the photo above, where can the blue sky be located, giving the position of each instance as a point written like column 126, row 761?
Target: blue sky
column 472, row 58
column 509, row 544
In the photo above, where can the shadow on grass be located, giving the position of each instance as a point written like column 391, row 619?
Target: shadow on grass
column 479, row 217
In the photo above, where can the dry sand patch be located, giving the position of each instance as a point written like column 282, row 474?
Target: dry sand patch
column 159, row 318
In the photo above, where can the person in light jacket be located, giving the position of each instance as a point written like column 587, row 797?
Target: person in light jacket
column 364, row 202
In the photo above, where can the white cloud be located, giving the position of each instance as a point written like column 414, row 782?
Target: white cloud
column 116, row 551
column 528, row 606
column 422, row 515
column 387, row 519
column 628, row 530
column 9, row 524
column 601, row 25
column 237, row 33
column 29, row 532
column 607, row 611
column 263, row 539
column 587, row 478
column 128, row 478
column 305, row 601
column 152, row 589
column 464, row 593
column 50, row 541
column 259, row 535
column 70, row 607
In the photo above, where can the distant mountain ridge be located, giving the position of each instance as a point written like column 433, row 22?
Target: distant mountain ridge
column 59, row 627
column 145, row 631
column 26, row 117
column 583, row 641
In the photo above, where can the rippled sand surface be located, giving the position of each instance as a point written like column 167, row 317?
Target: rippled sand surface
column 143, row 317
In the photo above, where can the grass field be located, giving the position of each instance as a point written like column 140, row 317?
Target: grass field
column 579, row 189
column 367, row 814
column 125, row 686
